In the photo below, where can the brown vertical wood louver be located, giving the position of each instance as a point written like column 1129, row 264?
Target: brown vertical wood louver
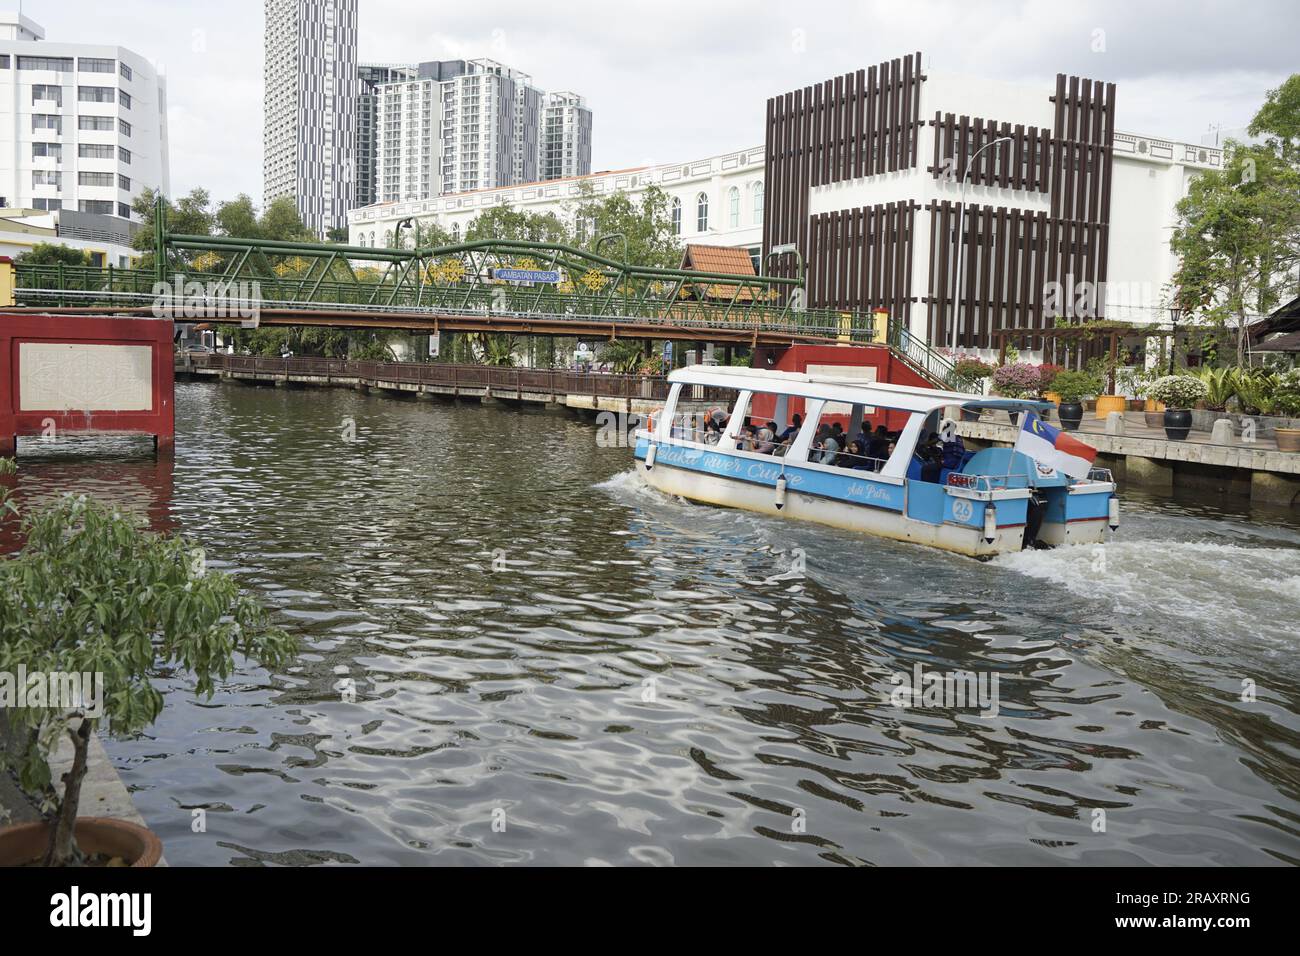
column 867, row 123
column 1012, row 254
column 856, row 125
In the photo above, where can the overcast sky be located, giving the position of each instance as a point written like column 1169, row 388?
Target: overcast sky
column 675, row 80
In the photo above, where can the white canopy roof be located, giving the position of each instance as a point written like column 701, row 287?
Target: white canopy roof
column 855, row 391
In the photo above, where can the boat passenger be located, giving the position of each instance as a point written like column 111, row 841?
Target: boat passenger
column 796, row 423
column 766, row 441
column 829, row 447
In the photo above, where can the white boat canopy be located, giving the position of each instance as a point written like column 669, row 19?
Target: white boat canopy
column 852, row 391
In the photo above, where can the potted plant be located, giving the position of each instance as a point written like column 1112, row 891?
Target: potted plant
column 1073, row 387
column 1104, row 370
column 968, row 375
column 1286, row 399
column 91, row 593
column 1179, row 393
column 1017, row 380
column 1047, row 390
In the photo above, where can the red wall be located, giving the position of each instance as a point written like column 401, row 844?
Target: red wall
column 159, row 420
column 797, row 358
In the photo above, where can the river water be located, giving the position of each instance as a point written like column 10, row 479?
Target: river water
column 552, row 664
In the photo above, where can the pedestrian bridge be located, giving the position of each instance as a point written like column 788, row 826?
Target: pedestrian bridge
column 490, row 285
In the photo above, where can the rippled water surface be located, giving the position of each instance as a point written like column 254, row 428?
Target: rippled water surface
column 614, row 676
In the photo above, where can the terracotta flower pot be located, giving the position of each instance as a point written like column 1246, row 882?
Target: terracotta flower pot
column 26, row 842
column 1288, row 439
column 1052, row 397
column 1154, row 419
column 1152, row 405
column 1110, row 403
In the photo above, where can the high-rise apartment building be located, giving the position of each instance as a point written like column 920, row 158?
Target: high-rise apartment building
column 566, row 137
column 85, row 125
column 459, row 125
column 370, row 77
column 310, row 102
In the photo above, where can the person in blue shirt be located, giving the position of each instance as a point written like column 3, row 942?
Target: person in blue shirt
column 795, row 425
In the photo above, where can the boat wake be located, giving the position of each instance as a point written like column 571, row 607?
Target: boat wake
column 1224, row 589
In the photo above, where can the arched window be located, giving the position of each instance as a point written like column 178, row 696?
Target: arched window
column 733, row 207
column 388, row 238
column 758, row 202
column 677, row 216
column 702, row 213
column 455, row 232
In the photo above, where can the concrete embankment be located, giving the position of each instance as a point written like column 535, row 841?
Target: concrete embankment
column 1143, row 456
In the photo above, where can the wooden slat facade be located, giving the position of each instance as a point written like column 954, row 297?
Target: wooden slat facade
column 857, row 125
column 1012, row 254
column 866, row 124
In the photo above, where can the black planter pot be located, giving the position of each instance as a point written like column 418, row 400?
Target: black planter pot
column 1178, row 422
column 1071, row 414
column 1015, row 417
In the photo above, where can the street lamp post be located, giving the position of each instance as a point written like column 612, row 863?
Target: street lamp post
column 961, row 245
column 1175, row 313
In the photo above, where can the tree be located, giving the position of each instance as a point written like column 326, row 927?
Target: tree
column 1279, row 119
column 91, row 592
column 506, row 222
column 646, row 224
column 1238, row 235
column 238, row 218
column 50, row 254
column 280, row 220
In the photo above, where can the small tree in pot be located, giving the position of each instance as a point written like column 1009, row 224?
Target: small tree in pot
column 92, row 593
column 1074, row 387
column 1179, row 393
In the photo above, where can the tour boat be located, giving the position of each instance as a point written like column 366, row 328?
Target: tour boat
column 987, row 502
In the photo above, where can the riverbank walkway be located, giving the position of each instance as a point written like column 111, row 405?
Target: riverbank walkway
column 1145, row 456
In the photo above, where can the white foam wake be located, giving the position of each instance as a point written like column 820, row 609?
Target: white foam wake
column 1225, row 589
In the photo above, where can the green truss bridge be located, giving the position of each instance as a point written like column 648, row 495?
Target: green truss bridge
column 491, row 285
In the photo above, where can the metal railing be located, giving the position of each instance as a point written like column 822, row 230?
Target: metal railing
column 938, row 368
column 504, row 380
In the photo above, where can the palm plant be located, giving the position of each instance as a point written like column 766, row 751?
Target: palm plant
column 1220, row 385
column 1255, row 391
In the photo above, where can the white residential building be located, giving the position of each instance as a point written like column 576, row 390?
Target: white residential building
column 83, row 127
column 460, row 125
column 566, row 137
column 370, row 77
column 310, row 105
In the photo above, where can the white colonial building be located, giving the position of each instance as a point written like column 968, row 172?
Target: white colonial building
column 717, row 201
column 83, row 127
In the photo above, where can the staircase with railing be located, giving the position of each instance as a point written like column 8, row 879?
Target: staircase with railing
column 927, row 362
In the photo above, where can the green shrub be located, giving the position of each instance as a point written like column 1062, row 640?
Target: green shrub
column 1075, row 386
column 1286, row 394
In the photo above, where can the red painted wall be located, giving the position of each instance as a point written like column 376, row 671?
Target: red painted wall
column 889, row 368
column 159, row 420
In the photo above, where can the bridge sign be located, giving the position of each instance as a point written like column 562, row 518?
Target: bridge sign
column 527, row 275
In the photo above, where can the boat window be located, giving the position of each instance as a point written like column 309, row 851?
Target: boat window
column 771, row 423
column 850, row 440
column 704, row 418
